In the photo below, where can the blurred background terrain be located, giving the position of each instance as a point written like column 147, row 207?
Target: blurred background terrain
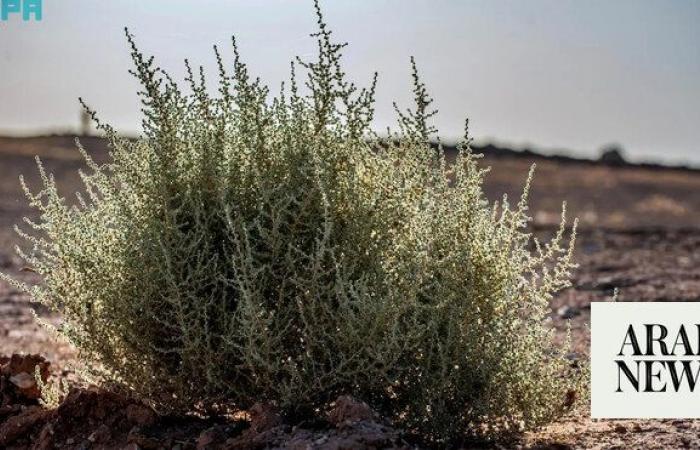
column 638, row 233
column 604, row 193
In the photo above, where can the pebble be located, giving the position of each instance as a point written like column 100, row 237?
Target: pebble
column 568, row 312
column 620, row 429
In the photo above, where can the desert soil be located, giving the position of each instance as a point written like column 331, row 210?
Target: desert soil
column 639, row 232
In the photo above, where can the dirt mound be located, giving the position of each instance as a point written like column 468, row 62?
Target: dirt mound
column 18, row 380
column 91, row 418
column 85, row 416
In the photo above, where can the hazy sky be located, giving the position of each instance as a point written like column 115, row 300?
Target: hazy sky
column 552, row 74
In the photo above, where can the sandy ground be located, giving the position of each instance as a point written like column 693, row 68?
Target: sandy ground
column 639, row 233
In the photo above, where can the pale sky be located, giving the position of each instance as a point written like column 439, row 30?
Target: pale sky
column 553, row 74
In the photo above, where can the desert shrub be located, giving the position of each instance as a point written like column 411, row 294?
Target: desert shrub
column 249, row 247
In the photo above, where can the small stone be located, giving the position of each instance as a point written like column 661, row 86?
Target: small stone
column 85, row 445
column 264, row 416
column 209, row 437
column 101, row 435
column 572, row 356
column 140, row 415
column 23, row 380
column 568, row 312
column 619, row 428
column 681, row 424
column 142, row 441
column 347, row 409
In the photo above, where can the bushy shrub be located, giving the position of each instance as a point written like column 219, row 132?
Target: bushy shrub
column 251, row 248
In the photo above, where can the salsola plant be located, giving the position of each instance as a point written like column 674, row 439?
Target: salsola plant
column 250, row 247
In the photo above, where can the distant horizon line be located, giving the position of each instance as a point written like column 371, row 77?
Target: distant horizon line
column 496, row 146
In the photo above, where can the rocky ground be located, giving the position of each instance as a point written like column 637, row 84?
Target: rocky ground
column 89, row 418
column 639, row 233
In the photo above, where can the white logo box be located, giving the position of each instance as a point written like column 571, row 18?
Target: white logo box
column 613, row 391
